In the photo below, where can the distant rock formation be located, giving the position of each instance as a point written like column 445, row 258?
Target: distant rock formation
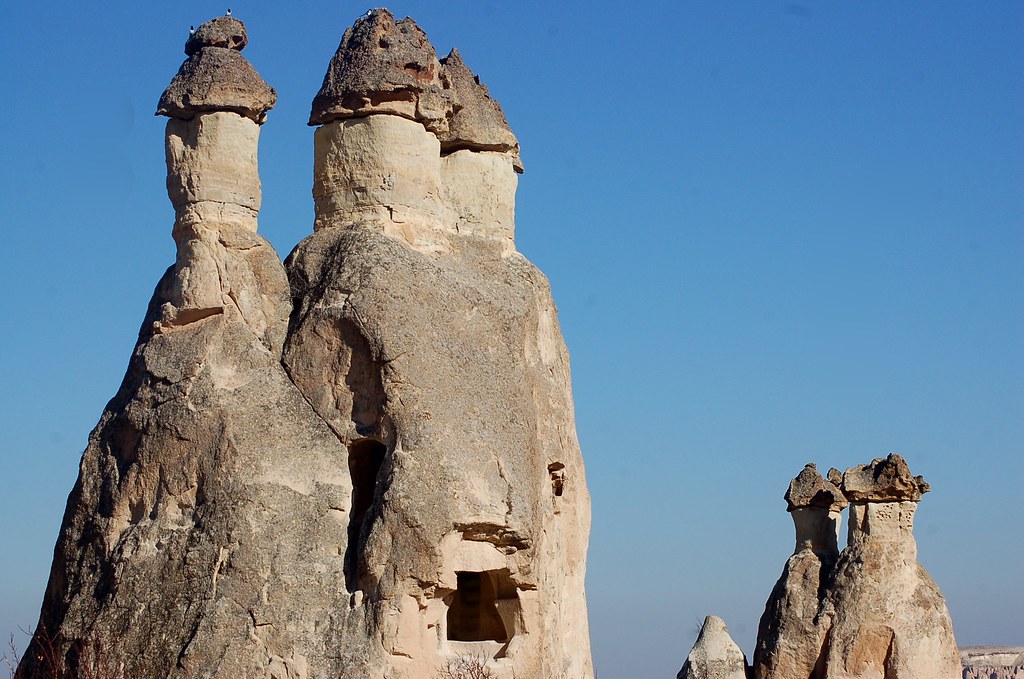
column 714, row 655
column 871, row 613
column 362, row 463
column 992, row 662
column 791, row 633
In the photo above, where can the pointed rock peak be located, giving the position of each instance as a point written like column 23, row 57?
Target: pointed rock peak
column 835, row 477
column 216, row 77
column 478, row 123
column 885, row 479
column 227, row 32
column 715, row 655
column 809, row 489
column 382, row 66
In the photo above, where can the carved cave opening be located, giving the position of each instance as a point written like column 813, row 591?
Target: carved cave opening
column 365, row 458
column 478, row 604
column 557, row 472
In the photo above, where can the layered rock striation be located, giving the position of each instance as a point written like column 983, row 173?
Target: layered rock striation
column 363, row 462
column 869, row 612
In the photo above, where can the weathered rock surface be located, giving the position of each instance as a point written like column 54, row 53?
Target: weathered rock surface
column 216, row 77
column 367, row 467
column 871, row 613
column 714, row 655
column 992, row 662
column 888, row 617
column 388, row 66
column 477, row 121
column 791, row 633
column 456, row 373
column 383, row 66
column 885, row 479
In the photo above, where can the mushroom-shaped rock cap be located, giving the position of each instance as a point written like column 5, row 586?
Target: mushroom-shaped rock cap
column 216, row 77
column 227, row 32
column 809, row 489
column 478, row 123
column 383, row 66
column 885, row 479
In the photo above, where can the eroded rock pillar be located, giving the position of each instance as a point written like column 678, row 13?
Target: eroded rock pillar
column 791, row 635
column 888, row 619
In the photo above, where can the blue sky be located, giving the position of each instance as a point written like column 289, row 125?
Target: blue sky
column 776, row 232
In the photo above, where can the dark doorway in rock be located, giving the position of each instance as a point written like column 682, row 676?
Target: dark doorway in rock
column 557, row 472
column 473, row 614
column 365, row 458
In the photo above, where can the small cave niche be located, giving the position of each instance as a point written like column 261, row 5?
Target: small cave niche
column 365, row 458
column 475, row 610
column 557, row 472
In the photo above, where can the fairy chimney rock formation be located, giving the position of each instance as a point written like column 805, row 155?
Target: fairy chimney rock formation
column 888, row 617
column 456, row 388
column 790, row 634
column 361, row 462
column 714, row 655
column 409, row 144
column 815, row 505
column 870, row 612
column 216, row 104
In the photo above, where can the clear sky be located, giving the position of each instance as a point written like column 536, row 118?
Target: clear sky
column 776, row 233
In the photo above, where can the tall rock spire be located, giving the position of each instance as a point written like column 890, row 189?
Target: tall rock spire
column 362, row 463
column 887, row 616
column 455, row 405
column 216, row 104
column 790, row 635
column 200, row 538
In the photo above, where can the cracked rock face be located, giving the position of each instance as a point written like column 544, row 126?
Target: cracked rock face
column 360, row 463
column 714, row 655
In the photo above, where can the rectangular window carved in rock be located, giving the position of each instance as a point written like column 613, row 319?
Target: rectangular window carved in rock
column 473, row 615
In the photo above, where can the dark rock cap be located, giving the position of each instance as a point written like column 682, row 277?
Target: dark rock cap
column 809, row 489
column 477, row 121
column 388, row 66
column 227, row 32
column 216, row 77
column 383, row 66
column 885, row 479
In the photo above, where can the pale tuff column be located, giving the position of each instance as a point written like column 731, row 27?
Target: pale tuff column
column 481, row 159
column 216, row 104
column 888, row 618
column 790, row 635
column 381, row 171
